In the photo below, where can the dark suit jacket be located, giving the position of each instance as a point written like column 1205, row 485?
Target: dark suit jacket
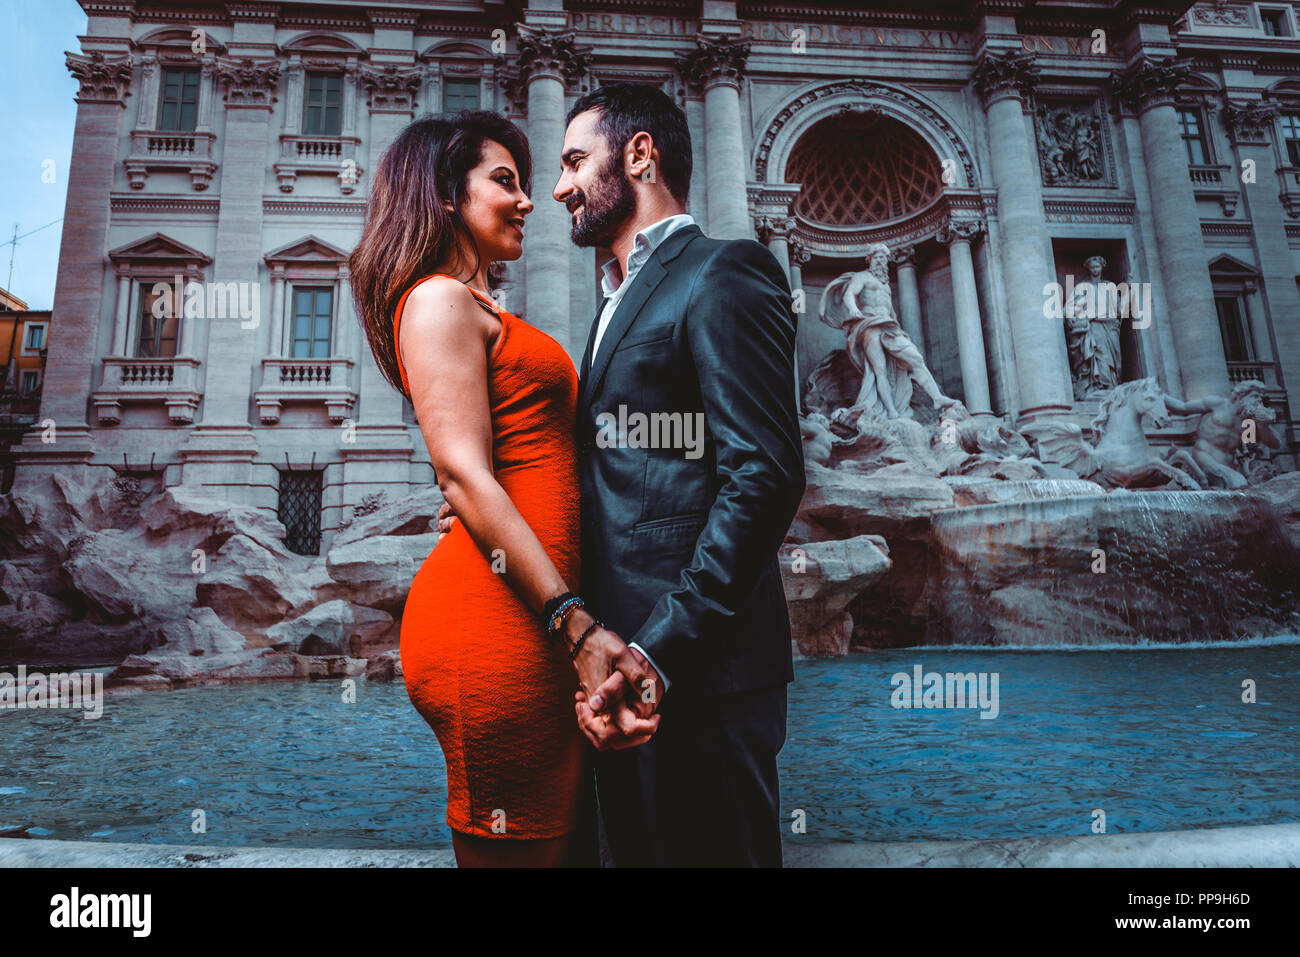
column 679, row 554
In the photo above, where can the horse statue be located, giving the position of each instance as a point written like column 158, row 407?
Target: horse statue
column 1122, row 457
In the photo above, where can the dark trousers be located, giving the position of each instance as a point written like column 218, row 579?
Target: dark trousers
column 703, row 791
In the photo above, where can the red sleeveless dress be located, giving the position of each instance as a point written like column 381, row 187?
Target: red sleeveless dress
column 477, row 663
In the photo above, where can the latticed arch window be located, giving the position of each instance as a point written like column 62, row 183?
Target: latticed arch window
column 299, row 510
column 858, row 169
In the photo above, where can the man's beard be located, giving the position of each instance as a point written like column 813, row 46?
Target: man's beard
column 603, row 214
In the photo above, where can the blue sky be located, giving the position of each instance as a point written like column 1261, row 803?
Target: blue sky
column 37, row 116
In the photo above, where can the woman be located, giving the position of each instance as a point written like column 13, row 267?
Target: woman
column 496, row 400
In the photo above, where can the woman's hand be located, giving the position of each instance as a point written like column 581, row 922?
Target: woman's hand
column 603, row 658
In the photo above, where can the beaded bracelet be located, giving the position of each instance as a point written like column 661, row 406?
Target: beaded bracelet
column 548, row 610
column 561, row 613
column 578, row 645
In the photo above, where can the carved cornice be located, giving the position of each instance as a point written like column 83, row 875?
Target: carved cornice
column 999, row 76
column 103, row 79
column 248, row 82
column 392, row 88
column 714, row 61
column 1250, row 123
column 1220, row 13
column 1150, row 83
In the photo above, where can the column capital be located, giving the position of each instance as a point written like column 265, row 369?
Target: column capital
column 904, row 255
column 103, row 79
column 553, row 53
column 800, row 254
column 767, row 226
column 1149, row 83
column 391, row 88
column 1250, row 123
column 1011, row 74
column 714, row 61
column 248, row 82
column 960, row 230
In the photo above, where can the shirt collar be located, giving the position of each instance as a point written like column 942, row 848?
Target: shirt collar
column 643, row 244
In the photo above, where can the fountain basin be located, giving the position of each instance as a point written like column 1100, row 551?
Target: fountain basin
column 1120, row 567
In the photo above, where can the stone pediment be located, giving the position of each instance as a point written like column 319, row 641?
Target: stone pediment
column 1230, row 267
column 307, row 250
column 174, row 37
column 158, row 248
column 309, row 43
column 454, row 48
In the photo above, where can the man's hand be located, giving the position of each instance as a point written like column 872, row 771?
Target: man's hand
column 609, row 670
column 603, row 731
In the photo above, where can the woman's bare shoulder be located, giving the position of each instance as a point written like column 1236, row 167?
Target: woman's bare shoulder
column 442, row 305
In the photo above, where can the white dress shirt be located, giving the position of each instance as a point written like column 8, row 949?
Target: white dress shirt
column 643, row 245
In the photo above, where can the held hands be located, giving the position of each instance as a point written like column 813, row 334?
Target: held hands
column 620, row 689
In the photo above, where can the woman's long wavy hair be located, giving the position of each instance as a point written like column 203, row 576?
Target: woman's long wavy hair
column 409, row 234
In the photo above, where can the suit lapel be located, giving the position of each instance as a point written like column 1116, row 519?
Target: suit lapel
column 584, row 367
column 643, row 286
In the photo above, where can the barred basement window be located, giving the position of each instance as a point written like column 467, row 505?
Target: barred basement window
column 300, row 505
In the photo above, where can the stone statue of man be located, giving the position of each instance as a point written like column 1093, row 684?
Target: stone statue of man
column 1092, row 326
column 861, row 305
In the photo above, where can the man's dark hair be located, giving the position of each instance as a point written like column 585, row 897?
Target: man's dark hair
column 628, row 108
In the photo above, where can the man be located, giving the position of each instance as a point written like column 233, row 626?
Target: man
column 679, row 538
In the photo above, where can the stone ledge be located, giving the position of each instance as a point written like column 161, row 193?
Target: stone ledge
column 1269, row 845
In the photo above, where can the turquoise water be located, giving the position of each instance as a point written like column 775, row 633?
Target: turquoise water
column 1158, row 739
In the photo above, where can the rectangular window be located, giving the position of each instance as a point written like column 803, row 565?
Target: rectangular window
column 30, row 381
column 459, row 95
column 157, row 336
column 178, row 108
column 299, row 510
column 1291, row 137
column 1198, row 153
column 313, row 308
column 322, row 107
column 1232, row 326
column 1275, row 23
column 35, row 337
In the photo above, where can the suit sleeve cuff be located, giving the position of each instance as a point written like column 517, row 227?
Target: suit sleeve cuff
column 663, row 676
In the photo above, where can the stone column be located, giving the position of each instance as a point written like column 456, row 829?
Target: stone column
column 341, row 345
column 909, row 295
column 800, row 256
column 957, row 234
column 1004, row 81
column 122, row 321
column 775, row 233
column 73, row 356
column 698, row 200
column 1189, row 294
column 295, row 82
column 147, row 109
column 548, row 63
column 1250, row 127
column 1258, row 324
column 206, row 93
column 349, row 124
column 716, row 67
column 275, row 346
column 218, row 455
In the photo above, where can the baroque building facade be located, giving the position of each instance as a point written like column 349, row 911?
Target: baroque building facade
column 221, row 164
